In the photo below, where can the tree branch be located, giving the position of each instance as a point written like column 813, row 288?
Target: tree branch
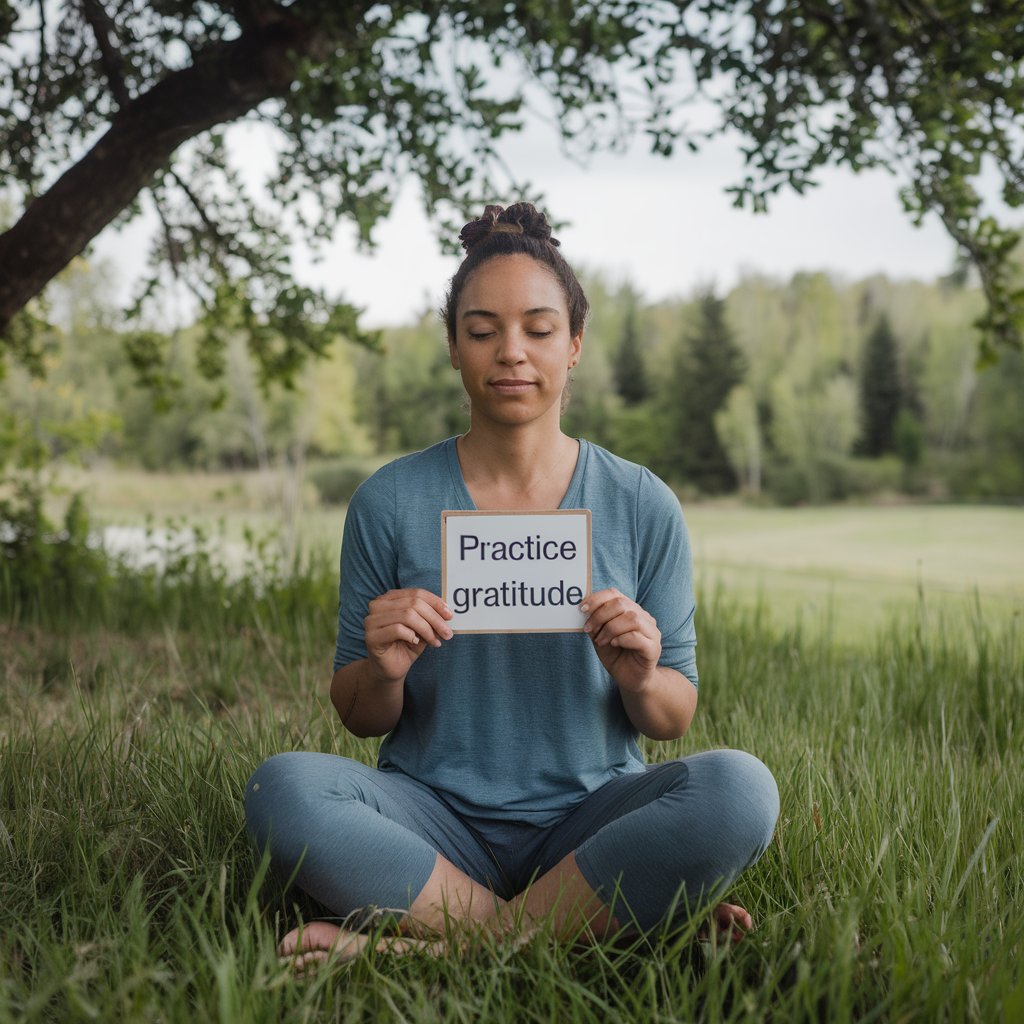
column 169, row 239
column 44, row 59
column 103, row 29
column 226, row 82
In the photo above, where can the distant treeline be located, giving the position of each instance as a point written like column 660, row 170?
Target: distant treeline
column 811, row 389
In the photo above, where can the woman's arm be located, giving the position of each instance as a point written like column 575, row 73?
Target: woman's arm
column 664, row 708
column 368, row 693
column 659, row 701
column 367, row 705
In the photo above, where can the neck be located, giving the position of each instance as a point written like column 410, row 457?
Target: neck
column 518, row 467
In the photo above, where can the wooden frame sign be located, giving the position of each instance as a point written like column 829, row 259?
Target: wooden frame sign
column 515, row 572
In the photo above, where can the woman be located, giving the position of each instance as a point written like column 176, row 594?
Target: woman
column 510, row 789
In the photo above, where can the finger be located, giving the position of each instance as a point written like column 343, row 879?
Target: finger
column 616, row 627
column 414, row 595
column 422, row 620
column 437, row 620
column 632, row 620
column 607, row 610
column 382, row 637
column 388, row 605
column 608, row 604
column 410, row 629
column 599, row 598
column 435, row 602
column 434, row 611
column 636, row 641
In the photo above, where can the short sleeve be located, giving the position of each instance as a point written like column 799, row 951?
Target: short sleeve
column 665, row 573
column 368, row 561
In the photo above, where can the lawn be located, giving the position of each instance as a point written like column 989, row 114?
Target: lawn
column 844, row 569
column 131, row 716
column 852, row 568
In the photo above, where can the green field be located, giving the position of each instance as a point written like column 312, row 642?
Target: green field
column 846, row 569
column 852, row 569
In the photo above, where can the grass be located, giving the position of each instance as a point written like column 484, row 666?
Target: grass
column 892, row 890
column 132, row 710
column 843, row 570
column 850, row 569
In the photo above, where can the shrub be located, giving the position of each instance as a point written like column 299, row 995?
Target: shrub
column 835, row 478
column 983, row 475
column 336, row 480
column 854, row 477
column 40, row 562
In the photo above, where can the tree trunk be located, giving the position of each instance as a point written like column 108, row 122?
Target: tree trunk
column 223, row 84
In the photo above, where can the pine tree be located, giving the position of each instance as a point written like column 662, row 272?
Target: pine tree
column 881, row 392
column 707, row 365
column 630, row 369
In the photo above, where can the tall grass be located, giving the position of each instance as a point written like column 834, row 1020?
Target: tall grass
column 128, row 725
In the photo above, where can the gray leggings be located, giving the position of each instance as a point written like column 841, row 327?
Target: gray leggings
column 664, row 840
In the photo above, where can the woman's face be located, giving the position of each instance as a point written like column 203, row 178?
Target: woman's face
column 512, row 342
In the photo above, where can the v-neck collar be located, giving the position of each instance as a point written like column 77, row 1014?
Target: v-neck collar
column 466, row 503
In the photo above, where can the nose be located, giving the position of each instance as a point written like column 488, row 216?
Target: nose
column 511, row 349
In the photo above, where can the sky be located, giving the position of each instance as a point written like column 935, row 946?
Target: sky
column 666, row 226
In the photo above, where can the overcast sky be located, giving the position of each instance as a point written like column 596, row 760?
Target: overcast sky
column 666, row 225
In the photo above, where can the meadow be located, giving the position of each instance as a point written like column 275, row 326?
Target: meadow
column 134, row 707
column 845, row 570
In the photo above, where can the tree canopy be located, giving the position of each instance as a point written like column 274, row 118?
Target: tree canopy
column 101, row 102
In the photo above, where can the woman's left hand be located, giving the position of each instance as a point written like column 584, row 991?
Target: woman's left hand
column 626, row 638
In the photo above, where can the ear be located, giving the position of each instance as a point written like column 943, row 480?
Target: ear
column 575, row 349
column 453, row 353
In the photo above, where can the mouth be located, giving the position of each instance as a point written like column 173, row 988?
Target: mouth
column 510, row 386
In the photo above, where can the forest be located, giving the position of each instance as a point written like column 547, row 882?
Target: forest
column 807, row 390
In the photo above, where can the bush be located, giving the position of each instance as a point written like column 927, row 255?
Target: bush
column 40, row 562
column 637, row 433
column 835, row 478
column 982, row 475
column 63, row 578
column 854, row 477
column 787, row 485
column 336, row 480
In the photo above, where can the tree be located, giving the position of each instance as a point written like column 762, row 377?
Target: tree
column 811, row 429
column 738, row 425
column 592, row 401
column 881, row 393
column 102, row 102
column 706, row 366
column 991, row 463
column 410, row 394
column 630, row 369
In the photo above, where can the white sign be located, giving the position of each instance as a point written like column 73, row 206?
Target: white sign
column 515, row 572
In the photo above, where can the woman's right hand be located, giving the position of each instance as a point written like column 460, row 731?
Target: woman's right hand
column 400, row 625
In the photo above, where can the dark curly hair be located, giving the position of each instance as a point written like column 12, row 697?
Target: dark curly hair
column 518, row 229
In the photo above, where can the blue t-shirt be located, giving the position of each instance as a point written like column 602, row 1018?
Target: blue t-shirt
column 515, row 726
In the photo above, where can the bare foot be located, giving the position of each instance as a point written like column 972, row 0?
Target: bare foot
column 307, row 947
column 731, row 921
column 311, row 945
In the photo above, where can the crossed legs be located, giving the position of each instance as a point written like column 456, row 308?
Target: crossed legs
column 354, row 837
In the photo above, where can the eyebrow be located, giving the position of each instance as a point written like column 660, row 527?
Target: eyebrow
column 494, row 316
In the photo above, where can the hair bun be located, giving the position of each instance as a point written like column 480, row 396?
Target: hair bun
column 517, row 219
